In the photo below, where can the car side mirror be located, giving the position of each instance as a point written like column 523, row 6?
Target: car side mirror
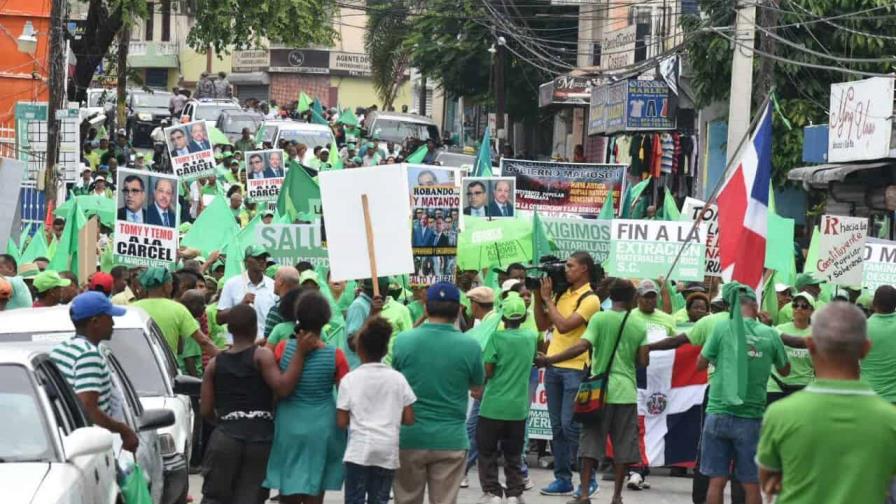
column 153, row 419
column 187, row 385
column 86, row 441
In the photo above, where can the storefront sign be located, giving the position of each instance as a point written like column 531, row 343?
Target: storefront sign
column 634, row 105
column 308, row 61
column 565, row 90
column 350, row 64
column 860, row 119
column 615, row 108
column 618, row 48
column 254, row 60
column 597, row 110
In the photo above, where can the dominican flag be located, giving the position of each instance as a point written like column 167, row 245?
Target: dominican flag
column 670, row 402
column 743, row 208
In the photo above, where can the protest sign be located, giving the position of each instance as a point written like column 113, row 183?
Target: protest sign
column 558, row 189
column 435, row 201
column 265, row 172
column 647, row 249
column 385, row 187
column 880, row 264
column 572, row 234
column 689, row 212
column 293, row 243
column 147, row 218
column 191, row 150
column 539, row 422
column 841, row 249
column 489, row 196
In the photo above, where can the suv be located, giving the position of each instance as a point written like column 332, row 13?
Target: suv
column 399, row 128
column 139, row 346
column 146, row 110
column 232, row 122
column 207, row 109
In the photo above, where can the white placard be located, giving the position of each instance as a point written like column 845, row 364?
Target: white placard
column 860, row 119
column 689, row 212
column 386, row 187
column 841, row 249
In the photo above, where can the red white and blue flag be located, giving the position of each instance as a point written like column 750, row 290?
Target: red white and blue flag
column 743, row 209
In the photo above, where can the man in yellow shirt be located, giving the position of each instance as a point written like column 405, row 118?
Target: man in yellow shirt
column 568, row 318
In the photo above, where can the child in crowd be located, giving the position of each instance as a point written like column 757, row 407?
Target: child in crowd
column 374, row 400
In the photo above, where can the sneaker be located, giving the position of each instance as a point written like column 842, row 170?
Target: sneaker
column 558, row 487
column 488, row 498
column 593, row 487
column 635, row 481
column 515, row 500
column 465, row 483
column 528, row 484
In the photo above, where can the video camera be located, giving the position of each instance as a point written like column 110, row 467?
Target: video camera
column 551, row 267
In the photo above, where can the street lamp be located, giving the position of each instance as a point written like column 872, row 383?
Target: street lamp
column 27, row 41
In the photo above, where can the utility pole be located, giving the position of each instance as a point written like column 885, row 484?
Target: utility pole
column 422, row 110
column 741, row 75
column 499, row 95
column 124, row 40
column 765, row 78
column 56, row 57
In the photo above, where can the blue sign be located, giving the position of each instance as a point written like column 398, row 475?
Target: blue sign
column 647, row 106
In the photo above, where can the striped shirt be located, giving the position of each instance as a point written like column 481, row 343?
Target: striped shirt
column 272, row 319
column 85, row 368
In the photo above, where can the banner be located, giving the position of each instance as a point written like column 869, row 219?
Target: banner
column 264, row 175
column 435, row 203
column 558, row 189
column 572, row 235
column 147, row 218
column 647, row 249
column 293, row 243
column 689, row 212
column 841, row 249
column 191, row 150
column 880, row 264
column 493, row 197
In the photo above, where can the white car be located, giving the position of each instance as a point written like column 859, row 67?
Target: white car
column 312, row 135
column 150, row 366
column 207, row 109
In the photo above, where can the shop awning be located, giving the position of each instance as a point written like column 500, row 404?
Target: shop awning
column 250, row 78
column 825, row 173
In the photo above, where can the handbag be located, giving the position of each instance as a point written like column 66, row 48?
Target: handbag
column 592, row 394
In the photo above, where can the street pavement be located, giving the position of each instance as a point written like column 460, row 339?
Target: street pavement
column 664, row 490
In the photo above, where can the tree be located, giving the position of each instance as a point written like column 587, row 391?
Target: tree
column 387, row 26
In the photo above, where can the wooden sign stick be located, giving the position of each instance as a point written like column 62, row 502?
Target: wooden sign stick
column 371, row 252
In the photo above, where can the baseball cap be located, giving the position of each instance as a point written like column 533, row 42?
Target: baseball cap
column 809, row 298
column 122, row 132
column 513, row 307
column 694, row 287
column 481, row 295
column 5, row 289
column 443, row 291
column 271, row 270
column 28, row 270
column 91, row 304
column 806, row 279
column 267, row 212
column 509, row 284
column 256, row 251
column 103, row 280
column 98, row 178
column 235, row 162
column 309, row 276
column 781, row 287
column 647, row 286
column 49, row 279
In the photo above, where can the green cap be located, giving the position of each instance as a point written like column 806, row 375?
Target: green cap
column 271, row 271
column 513, row 307
column 256, row 251
column 49, row 279
column 154, row 277
column 184, row 227
column 227, row 154
column 309, row 276
column 219, row 156
column 806, row 279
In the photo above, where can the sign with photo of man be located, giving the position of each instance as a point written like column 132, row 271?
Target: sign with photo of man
column 147, row 218
column 489, row 196
column 191, row 150
column 265, row 171
column 435, row 206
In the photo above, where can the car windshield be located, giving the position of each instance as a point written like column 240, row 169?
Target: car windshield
column 151, row 100
column 310, row 138
column 235, row 124
column 24, row 436
column 100, row 98
column 132, row 349
column 209, row 112
column 399, row 131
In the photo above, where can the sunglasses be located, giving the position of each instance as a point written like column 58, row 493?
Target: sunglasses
column 801, row 306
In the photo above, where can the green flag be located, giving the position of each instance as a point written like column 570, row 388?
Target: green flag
column 811, row 265
column 542, row 242
column 770, row 298
column 485, row 243
column 348, row 118
column 233, row 264
column 107, row 260
column 670, row 209
column 318, row 118
column 299, row 194
column 13, row 249
column 779, row 242
column 213, row 229
column 334, row 161
column 417, row 156
column 37, row 247
column 606, row 211
column 482, row 167
column 66, row 257
column 24, row 236
column 630, row 197
column 51, row 249
column 304, row 102
column 91, row 205
column 484, row 331
column 732, row 355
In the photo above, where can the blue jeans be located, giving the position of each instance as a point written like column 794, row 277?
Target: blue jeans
column 472, row 420
column 729, row 439
column 367, row 484
column 560, row 386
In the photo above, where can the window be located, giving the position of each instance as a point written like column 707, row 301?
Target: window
column 595, row 54
column 135, row 354
column 166, row 20
column 25, row 436
column 157, row 78
column 148, row 24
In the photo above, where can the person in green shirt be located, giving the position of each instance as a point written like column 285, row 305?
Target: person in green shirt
column 366, row 306
column 504, row 406
column 660, row 325
column 190, row 358
column 801, row 370
column 879, row 366
column 731, row 427
column 246, row 142
column 285, row 310
column 805, row 282
column 433, row 450
column 834, row 441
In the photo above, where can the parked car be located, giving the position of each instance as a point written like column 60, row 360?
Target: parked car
column 146, row 110
column 398, row 128
column 207, row 109
column 144, row 355
column 232, row 122
column 312, row 135
column 99, row 107
column 455, row 158
column 49, row 451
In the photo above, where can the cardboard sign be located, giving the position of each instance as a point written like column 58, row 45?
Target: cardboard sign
column 880, row 264
column 292, row 243
column 841, row 249
column 647, row 249
column 563, row 189
column 572, row 235
column 264, row 175
column 87, row 248
column 147, row 218
column 385, row 187
column 191, row 150
column 436, row 202
column 689, row 212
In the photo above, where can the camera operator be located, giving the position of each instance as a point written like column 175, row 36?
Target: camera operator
column 568, row 315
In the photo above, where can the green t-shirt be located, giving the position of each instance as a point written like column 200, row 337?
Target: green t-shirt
column 441, row 364
column 785, row 314
column 416, row 309
column 602, row 331
column 507, row 391
column 217, row 332
column 659, row 324
column 281, row 332
column 699, row 333
column 802, row 371
column 764, row 350
column 191, row 350
column 681, row 316
column 879, row 366
column 833, row 442
column 173, row 319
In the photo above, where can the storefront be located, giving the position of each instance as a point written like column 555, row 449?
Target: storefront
column 566, row 99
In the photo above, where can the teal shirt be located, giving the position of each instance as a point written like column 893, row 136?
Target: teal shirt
column 21, row 296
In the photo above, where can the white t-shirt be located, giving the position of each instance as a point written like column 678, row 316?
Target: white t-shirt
column 235, row 290
column 375, row 395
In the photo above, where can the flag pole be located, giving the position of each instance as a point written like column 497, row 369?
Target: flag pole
column 715, row 191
